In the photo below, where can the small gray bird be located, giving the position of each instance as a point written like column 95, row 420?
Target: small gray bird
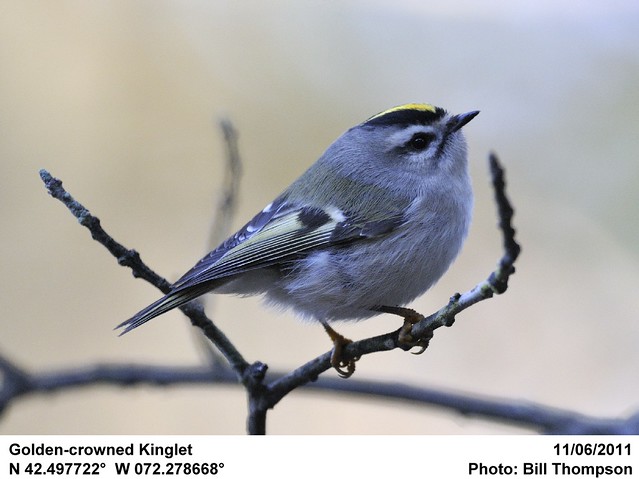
column 369, row 227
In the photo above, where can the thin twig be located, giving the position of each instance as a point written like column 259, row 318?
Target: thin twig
column 227, row 199
column 223, row 213
column 131, row 258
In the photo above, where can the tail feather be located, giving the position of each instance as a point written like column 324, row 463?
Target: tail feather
column 172, row 300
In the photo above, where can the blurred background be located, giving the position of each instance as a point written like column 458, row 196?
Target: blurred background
column 121, row 101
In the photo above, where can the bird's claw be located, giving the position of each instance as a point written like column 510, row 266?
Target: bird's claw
column 344, row 367
column 406, row 339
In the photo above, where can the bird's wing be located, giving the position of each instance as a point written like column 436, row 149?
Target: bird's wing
column 283, row 231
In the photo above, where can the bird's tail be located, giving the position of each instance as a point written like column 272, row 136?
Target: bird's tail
column 172, row 300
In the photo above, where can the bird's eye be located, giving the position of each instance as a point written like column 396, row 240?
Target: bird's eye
column 420, row 141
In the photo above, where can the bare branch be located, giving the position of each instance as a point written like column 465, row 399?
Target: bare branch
column 543, row 419
column 526, row 414
column 131, row 259
column 15, row 383
column 125, row 257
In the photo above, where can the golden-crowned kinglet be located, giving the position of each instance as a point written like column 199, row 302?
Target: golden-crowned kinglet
column 366, row 229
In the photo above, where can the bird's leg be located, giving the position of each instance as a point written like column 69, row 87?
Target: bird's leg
column 411, row 317
column 344, row 367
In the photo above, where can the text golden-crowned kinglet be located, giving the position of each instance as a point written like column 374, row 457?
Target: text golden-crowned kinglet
column 369, row 227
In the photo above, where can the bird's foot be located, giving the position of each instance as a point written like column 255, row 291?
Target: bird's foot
column 411, row 317
column 345, row 367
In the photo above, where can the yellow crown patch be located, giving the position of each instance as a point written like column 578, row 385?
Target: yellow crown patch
column 408, row 106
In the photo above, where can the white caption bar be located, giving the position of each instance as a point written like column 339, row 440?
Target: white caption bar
column 318, row 456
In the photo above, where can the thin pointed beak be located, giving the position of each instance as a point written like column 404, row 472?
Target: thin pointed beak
column 458, row 121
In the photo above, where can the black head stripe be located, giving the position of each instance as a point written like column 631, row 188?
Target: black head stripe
column 407, row 115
